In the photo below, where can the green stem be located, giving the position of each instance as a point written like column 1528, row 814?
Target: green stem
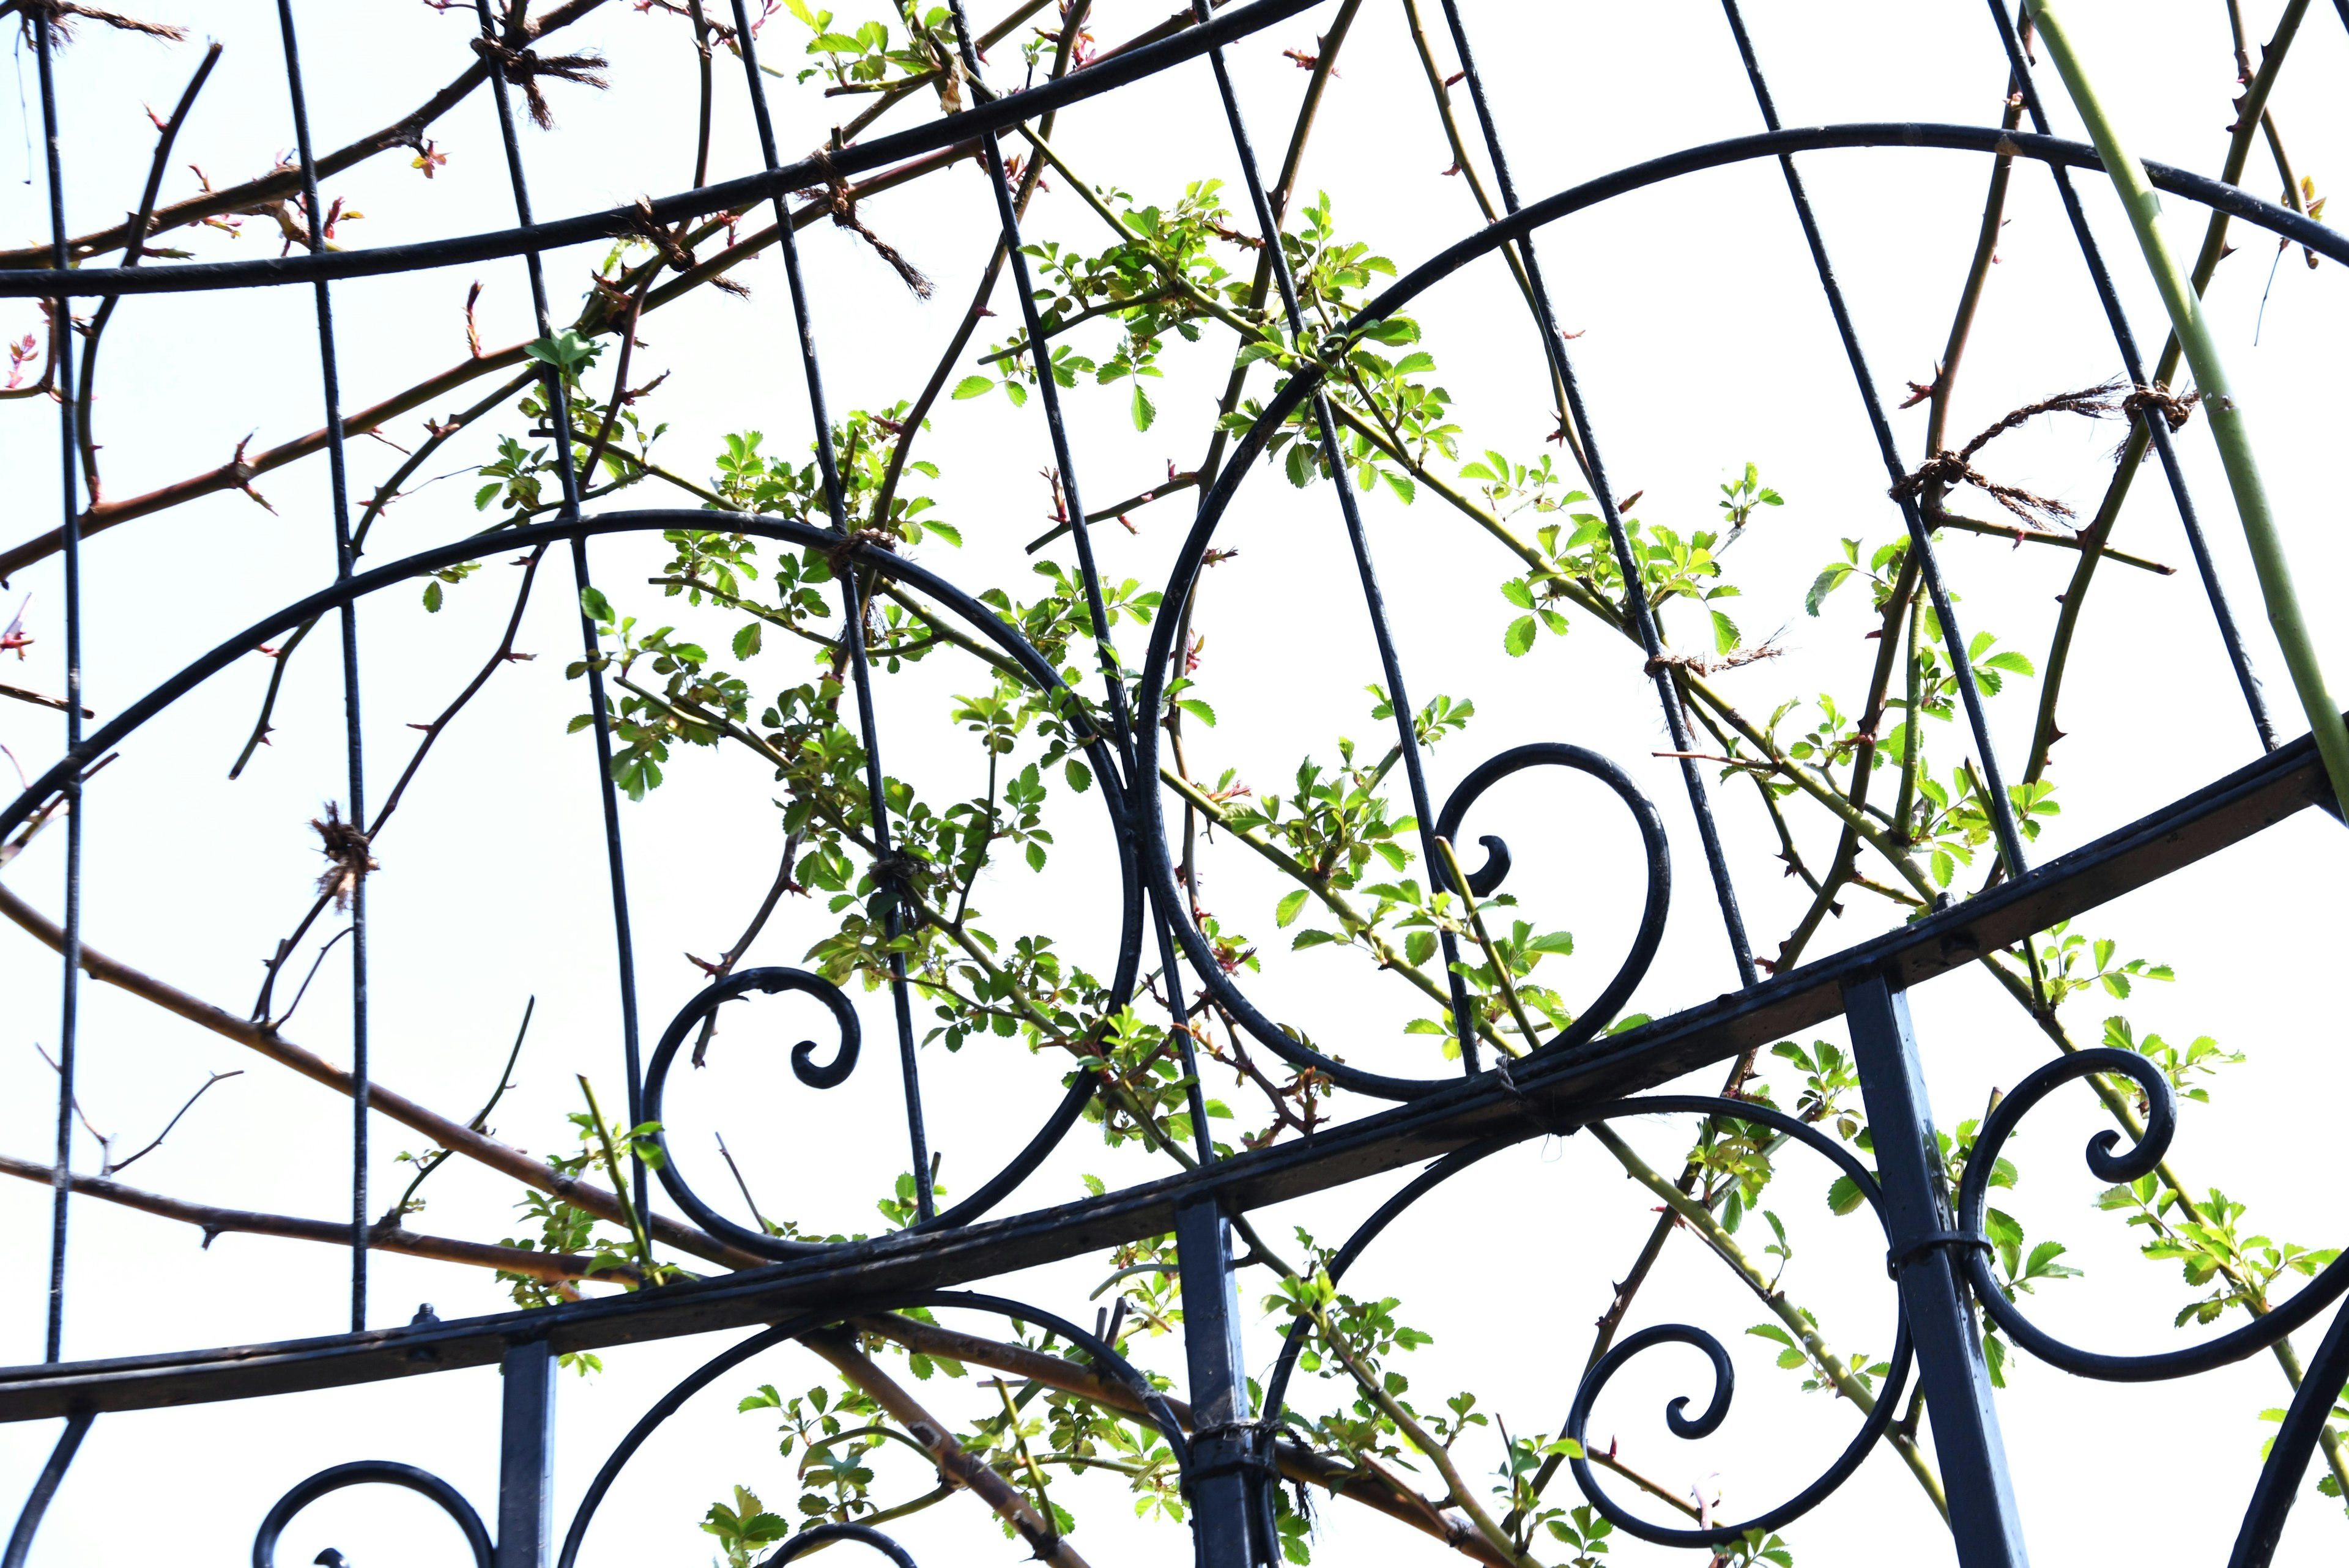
column 2221, row 408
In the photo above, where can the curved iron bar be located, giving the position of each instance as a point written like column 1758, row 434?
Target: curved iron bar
column 2133, row 362
column 1483, row 881
column 824, row 1075
column 1587, row 1393
column 2160, row 1126
column 1104, row 1358
column 2293, row 1446
column 1879, row 1419
column 824, row 1534
column 996, row 115
column 29, row 283
column 981, row 618
column 1305, row 379
column 365, row 1472
column 45, row 1489
column 1635, row 589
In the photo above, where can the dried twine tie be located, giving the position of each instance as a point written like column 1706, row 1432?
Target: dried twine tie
column 836, row 200
column 524, row 66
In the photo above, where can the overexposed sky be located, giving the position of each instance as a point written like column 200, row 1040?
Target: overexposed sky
column 1705, row 345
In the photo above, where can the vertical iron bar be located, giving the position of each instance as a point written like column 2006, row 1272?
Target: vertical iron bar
column 526, row 1457
column 1463, row 1015
column 1048, row 390
column 44, row 1487
column 1224, row 1444
column 2002, row 811
column 69, row 1006
column 853, row 614
column 1072, row 501
column 354, row 750
column 558, row 404
column 1635, row 589
column 2156, row 427
column 1966, row 1442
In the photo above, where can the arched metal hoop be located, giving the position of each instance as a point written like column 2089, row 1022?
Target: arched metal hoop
column 1104, row 1356
column 368, row 1472
column 820, row 1075
column 825, row 1535
column 1487, row 878
column 975, row 615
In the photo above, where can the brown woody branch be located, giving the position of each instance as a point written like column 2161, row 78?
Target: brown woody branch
column 447, row 1134
column 214, row 1222
column 284, row 184
column 1296, row 1462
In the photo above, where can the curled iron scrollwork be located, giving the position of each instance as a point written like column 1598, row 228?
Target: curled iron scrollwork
column 372, row 1472
column 2161, row 1124
column 1488, row 877
column 815, row 1074
column 1594, row 1381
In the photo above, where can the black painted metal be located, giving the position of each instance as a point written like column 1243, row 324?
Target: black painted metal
column 44, row 1488
column 526, row 1457
column 1576, row 1077
column 354, row 744
column 1231, row 1457
column 1933, row 1301
column 70, row 489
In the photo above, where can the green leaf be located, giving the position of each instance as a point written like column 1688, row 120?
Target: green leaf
column 1725, row 633
column 432, row 598
column 1287, row 909
column 747, row 640
column 1519, row 638
column 1517, row 591
column 1197, row 709
column 1145, row 412
column 972, row 387
column 1825, row 584
column 1309, row 937
column 1080, row 776
column 1844, row 1195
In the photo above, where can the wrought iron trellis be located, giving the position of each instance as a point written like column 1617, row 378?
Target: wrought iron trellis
column 1936, row 1254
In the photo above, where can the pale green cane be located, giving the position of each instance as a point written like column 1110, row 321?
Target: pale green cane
column 2220, row 406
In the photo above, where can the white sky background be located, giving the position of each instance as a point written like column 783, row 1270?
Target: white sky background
column 1706, row 344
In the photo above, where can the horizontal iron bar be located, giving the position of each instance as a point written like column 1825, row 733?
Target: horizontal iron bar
column 1547, row 1095
column 864, row 156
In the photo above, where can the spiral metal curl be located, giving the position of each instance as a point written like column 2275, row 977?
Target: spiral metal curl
column 2161, row 1125
column 1887, row 1397
column 365, row 1472
column 1587, row 1393
column 1489, row 876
